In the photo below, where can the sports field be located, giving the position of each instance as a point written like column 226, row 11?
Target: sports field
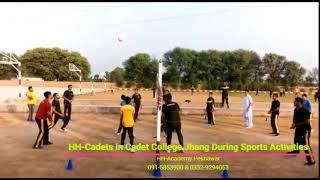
column 22, row 161
column 198, row 98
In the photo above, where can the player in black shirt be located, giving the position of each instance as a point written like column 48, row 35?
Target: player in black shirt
column 68, row 97
column 274, row 111
column 57, row 113
column 137, row 103
column 225, row 95
column 166, row 91
column 192, row 90
column 300, row 124
column 281, row 92
column 172, row 119
column 210, row 109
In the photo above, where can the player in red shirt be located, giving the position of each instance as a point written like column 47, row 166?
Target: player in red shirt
column 42, row 115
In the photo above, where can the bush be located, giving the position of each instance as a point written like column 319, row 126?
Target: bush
column 234, row 86
column 185, row 86
column 119, row 83
column 266, row 86
column 215, row 85
column 147, row 84
column 174, row 85
column 204, row 87
column 129, row 84
column 140, row 85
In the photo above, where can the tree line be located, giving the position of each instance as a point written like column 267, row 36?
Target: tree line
column 183, row 68
column 49, row 64
column 207, row 69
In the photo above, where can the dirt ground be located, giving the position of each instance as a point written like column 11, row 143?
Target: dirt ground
column 180, row 97
column 18, row 159
column 261, row 103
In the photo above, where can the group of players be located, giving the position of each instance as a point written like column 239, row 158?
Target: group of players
column 171, row 121
column 302, row 123
column 129, row 110
column 301, row 118
column 49, row 108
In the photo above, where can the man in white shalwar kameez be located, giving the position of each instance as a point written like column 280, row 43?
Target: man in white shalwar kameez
column 247, row 110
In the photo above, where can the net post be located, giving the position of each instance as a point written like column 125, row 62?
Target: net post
column 19, row 78
column 9, row 59
column 80, row 81
column 159, row 110
column 92, row 86
column 75, row 69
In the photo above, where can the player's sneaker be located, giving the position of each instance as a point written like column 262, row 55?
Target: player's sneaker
column 132, row 151
column 277, row 134
column 118, row 133
column 168, row 151
column 182, row 150
column 39, row 147
column 48, row 143
column 66, row 130
column 310, row 163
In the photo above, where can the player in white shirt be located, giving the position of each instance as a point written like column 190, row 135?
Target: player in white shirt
column 247, row 110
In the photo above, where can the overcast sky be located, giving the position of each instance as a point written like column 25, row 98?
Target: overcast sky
column 289, row 29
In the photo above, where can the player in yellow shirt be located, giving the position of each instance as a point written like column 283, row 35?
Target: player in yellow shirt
column 31, row 102
column 127, row 120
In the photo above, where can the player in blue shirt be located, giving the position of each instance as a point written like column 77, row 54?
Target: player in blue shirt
column 307, row 105
column 306, row 102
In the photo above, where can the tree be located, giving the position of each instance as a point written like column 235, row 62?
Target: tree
column 250, row 68
column 96, row 78
column 106, row 76
column 274, row 66
column 185, row 63
column 150, row 74
column 141, row 69
column 117, row 76
column 292, row 74
column 171, row 76
column 312, row 78
column 315, row 75
column 52, row 64
column 209, row 68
